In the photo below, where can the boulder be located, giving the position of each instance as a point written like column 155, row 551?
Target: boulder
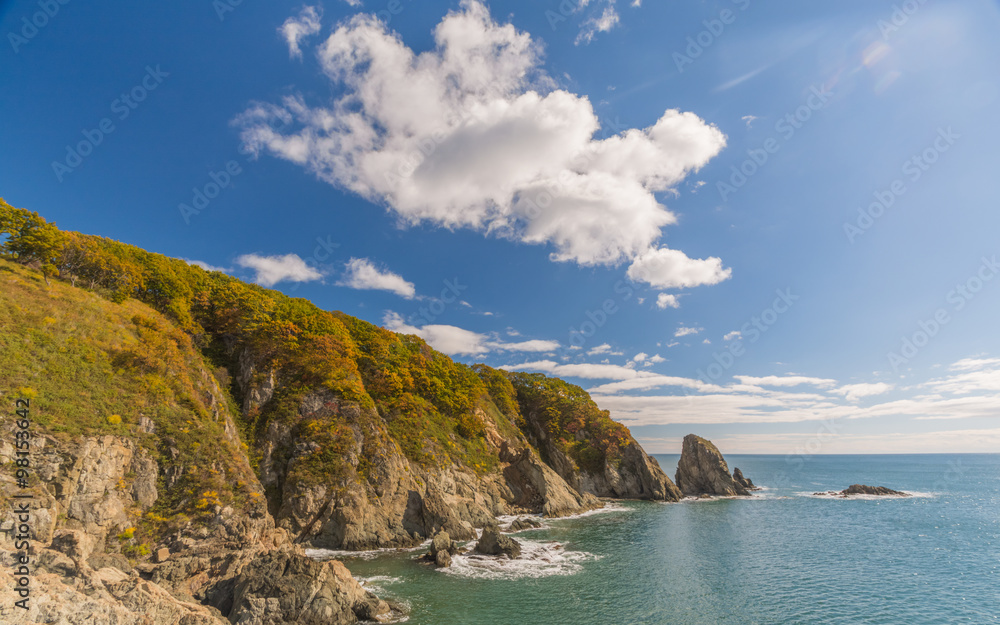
column 524, row 523
column 287, row 587
column 493, row 543
column 442, row 548
column 703, row 471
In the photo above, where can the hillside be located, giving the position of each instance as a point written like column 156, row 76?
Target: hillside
column 221, row 402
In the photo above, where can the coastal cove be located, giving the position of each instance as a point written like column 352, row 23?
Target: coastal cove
column 781, row 556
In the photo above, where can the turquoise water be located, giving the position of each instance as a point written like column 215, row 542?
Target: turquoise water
column 784, row 556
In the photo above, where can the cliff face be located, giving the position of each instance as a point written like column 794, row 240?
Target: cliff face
column 187, row 425
column 591, row 452
column 703, row 471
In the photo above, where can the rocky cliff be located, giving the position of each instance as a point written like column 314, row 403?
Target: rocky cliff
column 191, row 432
column 703, row 471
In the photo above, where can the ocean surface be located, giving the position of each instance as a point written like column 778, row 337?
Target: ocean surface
column 783, row 556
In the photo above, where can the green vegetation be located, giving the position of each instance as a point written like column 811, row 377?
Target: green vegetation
column 106, row 334
column 571, row 420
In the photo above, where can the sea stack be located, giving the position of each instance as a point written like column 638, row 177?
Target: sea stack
column 703, row 471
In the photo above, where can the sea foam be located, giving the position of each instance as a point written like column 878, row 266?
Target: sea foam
column 537, row 559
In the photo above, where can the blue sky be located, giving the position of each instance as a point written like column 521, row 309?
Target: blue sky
column 771, row 224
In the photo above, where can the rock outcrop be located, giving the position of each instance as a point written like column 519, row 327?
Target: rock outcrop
column 745, row 482
column 493, row 543
column 523, row 523
column 442, row 549
column 862, row 489
column 703, row 471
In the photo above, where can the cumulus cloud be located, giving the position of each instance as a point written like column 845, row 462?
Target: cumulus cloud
column 735, row 334
column 683, row 331
column 271, row 270
column 472, row 134
column 361, row 273
column 456, row 341
column 666, row 300
column 297, row 28
column 665, row 268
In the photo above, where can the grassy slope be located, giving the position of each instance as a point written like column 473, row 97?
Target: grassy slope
column 94, row 356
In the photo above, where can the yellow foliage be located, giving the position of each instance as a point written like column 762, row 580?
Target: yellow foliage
column 115, row 419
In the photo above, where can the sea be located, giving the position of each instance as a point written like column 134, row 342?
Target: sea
column 785, row 555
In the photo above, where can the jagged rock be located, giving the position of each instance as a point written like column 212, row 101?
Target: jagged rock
column 493, row 543
column 745, row 482
column 286, row 587
column 442, row 548
column 703, row 470
column 524, row 523
column 636, row 476
column 862, row 489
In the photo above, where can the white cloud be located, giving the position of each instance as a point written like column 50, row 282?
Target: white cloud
column 450, row 340
column 206, row 266
column 353, row 3
column 967, row 394
column 603, row 349
column 456, row 341
column 607, row 20
column 735, row 334
column 297, row 28
column 471, row 134
column 683, row 331
column 666, row 300
column 271, row 270
column 655, row 359
column 665, row 268
column 749, row 119
column 854, row 392
column 361, row 273
column 528, row 346
column 786, row 380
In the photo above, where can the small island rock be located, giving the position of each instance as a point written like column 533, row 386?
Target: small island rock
column 862, row 489
column 493, row 543
column 703, row 471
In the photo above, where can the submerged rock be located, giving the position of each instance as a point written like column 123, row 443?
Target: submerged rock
column 703, row 471
column 862, row 489
column 493, row 543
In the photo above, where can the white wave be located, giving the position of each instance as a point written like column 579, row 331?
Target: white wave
column 537, row 559
column 370, row 554
column 610, row 506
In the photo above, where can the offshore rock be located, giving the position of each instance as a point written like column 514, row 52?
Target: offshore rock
column 493, row 543
column 745, row 482
column 703, row 471
column 862, row 489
